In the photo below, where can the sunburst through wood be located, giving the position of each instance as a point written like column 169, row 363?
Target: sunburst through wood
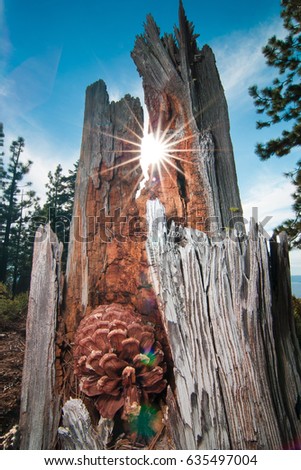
column 154, row 150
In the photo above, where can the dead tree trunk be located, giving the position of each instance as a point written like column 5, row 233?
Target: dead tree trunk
column 105, row 207
column 237, row 378
column 185, row 100
column 223, row 320
column 40, row 414
column 179, row 294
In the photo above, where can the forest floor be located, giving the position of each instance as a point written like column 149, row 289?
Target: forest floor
column 12, row 344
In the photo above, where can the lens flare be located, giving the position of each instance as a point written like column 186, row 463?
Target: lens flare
column 146, row 424
column 149, row 358
column 156, row 152
column 153, row 151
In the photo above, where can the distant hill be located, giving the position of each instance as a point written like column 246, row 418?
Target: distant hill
column 296, row 286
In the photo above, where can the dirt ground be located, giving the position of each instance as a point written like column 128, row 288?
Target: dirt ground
column 12, row 343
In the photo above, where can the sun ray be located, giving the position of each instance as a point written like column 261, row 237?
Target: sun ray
column 160, row 174
column 133, row 132
column 193, row 118
column 169, row 162
column 170, row 155
column 156, row 149
column 181, row 150
column 121, row 139
column 169, row 174
column 132, row 170
column 161, row 178
column 134, row 116
column 123, row 151
column 120, row 164
column 179, row 131
column 170, row 142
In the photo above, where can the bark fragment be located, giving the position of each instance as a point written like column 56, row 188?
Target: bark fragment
column 77, row 431
column 39, row 413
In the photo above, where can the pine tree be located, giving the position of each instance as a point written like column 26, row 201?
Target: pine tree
column 56, row 203
column 281, row 103
column 71, row 180
column 18, row 201
column 21, row 214
column 9, row 209
column 21, row 246
column 56, row 200
column 293, row 226
column 59, row 204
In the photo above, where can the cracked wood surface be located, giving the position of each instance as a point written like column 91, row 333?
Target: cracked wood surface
column 234, row 347
column 233, row 374
column 77, row 431
column 183, row 93
column 39, row 413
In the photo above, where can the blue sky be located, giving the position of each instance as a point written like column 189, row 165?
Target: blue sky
column 51, row 50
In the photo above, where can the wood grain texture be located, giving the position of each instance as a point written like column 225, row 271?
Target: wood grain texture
column 77, row 431
column 39, row 413
column 184, row 94
column 108, row 178
column 220, row 318
column 221, row 304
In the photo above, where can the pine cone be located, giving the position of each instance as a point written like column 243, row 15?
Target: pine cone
column 118, row 361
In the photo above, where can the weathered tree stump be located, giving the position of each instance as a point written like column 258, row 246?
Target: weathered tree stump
column 218, row 301
column 40, row 413
column 236, row 381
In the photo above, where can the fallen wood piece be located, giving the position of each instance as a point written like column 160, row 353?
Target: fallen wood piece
column 77, row 431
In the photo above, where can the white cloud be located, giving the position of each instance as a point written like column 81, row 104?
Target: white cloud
column 117, row 90
column 29, row 85
column 240, row 60
column 271, row 195
column 295, row 262
column 241, row 63
column 45, row 156
column 25, row 88
column 43, row 163
column 120, row 76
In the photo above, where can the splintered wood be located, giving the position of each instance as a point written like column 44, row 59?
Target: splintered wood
column 237, row 374
column 219, row 301
column 40, row 415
